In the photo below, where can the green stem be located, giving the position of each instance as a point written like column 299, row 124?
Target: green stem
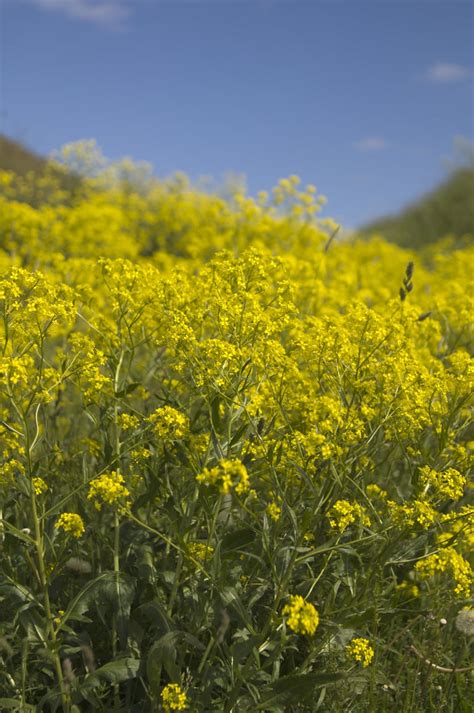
column 43, row 579
column 115, row 641
column 47, row 603
column 266, row 629
column 174, row 591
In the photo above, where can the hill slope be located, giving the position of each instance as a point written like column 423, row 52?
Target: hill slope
column 16, row 157
column 447, row 210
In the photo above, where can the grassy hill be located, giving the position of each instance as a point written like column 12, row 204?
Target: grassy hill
column 16, row 157
column 447, row 210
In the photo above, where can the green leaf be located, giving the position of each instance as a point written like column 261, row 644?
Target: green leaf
column 155, row 613
column 112, row 672
column 13, row 705
column 145, row 563
column 164, row 653
column 114, row 590
column 230, row 598
column 20, row 591
column 216, row 445
column 215, row 415
column 128, row 389
column 81, row 602
column 238, row 434
column 242, row 648
column 237, row 540
column 18, row 533
column 296, row 688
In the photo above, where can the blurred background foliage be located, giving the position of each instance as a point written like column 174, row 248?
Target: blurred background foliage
column 447, row 210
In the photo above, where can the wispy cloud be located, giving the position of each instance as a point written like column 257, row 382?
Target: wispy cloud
column 372, row 143
column 447, row 73
column 104, row 12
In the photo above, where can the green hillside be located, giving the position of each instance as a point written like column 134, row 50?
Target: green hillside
column 16, row 157
column 28, row 165
column 447, row 210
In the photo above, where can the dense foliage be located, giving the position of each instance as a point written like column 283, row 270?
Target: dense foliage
column 235, row 455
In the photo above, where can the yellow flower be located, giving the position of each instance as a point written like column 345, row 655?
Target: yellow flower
column 227, row 475
column 448, row 483
column 127, row 421
column 408, row 590
column 376, row 492
column 360, row 650
column 57, row 619
column 274, row 511
column 417, row 512
column 39, row 486
column 173, row 698
column 199, row 550
column 303, row 617
column 109, row 489
column 344, row 513
column 71, row 523
column 169, row 424
column 448, row 561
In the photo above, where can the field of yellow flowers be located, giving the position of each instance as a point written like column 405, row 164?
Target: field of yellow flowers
column 234, row 455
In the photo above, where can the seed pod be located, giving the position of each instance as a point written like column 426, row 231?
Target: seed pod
column 88, row 656
column 403, row 294
column 224, row 625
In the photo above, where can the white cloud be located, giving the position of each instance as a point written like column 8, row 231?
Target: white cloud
column 105, row 12
column 372, row 143
column 446, row 73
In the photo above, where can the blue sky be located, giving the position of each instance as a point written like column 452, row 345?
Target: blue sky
column 363, row 99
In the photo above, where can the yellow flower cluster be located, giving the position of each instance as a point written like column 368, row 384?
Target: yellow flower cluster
column 228, row 475
column 361, row 651
column 375, row 492
column 274, row 511
column 449, row 483
column 448, row 562
column 459, row 529
column 109, row 489
column 169, row 424
column 57, row 619
column 183, row 338
column 302, row 616
column 173, row 698
column 199, row 550
column 408, row 590
column 344, row 513
column 71, row 523
column 419, row 512
column 39, row 486
column 127, row 421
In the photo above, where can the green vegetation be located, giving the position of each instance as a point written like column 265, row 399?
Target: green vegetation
column 235, row 454
column 447, row 210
